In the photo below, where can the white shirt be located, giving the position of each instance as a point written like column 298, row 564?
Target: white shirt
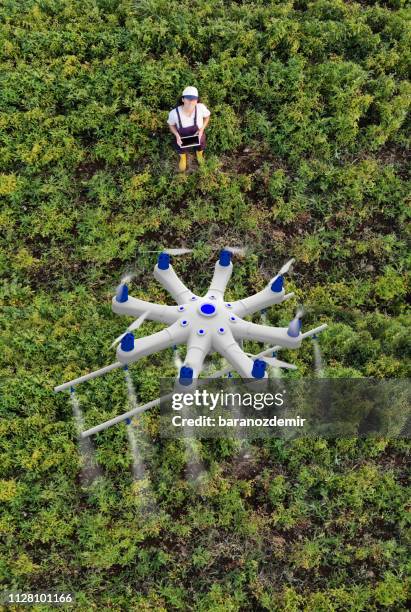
column 202, row 112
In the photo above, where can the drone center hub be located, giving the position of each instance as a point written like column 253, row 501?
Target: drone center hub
column 208, row 310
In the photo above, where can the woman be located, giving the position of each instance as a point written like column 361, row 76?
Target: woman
column 190, row 117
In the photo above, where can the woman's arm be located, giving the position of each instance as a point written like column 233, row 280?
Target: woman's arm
column 205, row 123
column 173, row 130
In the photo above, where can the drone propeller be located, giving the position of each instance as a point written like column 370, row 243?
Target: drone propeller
column 277, row 363
column 287, row 267
column 277, row 283
column 294, row 327
column 181, row 251
column 242, row 251
column 125, row 279
column 274, row 362
column 135, row 325
column 300, row 312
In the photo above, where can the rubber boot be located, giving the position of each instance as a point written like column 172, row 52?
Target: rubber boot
column 200, row 158
column 182, row 165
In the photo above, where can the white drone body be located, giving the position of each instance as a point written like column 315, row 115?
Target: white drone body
column 205, row 325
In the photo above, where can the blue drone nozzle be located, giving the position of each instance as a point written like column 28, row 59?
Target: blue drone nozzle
column 71, row 389
column 163, row 261
column 258, row 370
column 122, row 293
column 127, row 342
column 186, row 376
column 225, row 258
column 278, row 284
column 294, row 327
column 128, row 421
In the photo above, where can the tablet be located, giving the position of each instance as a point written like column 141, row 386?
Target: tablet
column 190, row 141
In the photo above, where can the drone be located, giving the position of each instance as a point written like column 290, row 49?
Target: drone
column 205, row 324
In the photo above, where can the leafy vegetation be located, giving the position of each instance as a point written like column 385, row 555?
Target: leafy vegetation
column 307, row 157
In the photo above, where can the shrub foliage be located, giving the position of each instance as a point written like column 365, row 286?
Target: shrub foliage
column 307, row 157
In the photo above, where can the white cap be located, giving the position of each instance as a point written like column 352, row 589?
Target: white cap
column 190, row 91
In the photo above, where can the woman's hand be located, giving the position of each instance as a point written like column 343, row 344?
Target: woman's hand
column 200, row 133
column 178, row 139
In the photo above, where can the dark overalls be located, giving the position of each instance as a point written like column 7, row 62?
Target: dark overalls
column 191, row 130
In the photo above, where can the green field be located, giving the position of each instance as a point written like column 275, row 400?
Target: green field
column 307, row 158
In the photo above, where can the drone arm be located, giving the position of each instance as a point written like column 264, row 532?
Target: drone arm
column 136, row 307
column 259, row 301
column 227, row 346
column 197, row 350
column 175, row 287
column 170, row 336
column 222, row 275
column 265, row 333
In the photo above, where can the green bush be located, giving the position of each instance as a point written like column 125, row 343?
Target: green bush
column 306, row 158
